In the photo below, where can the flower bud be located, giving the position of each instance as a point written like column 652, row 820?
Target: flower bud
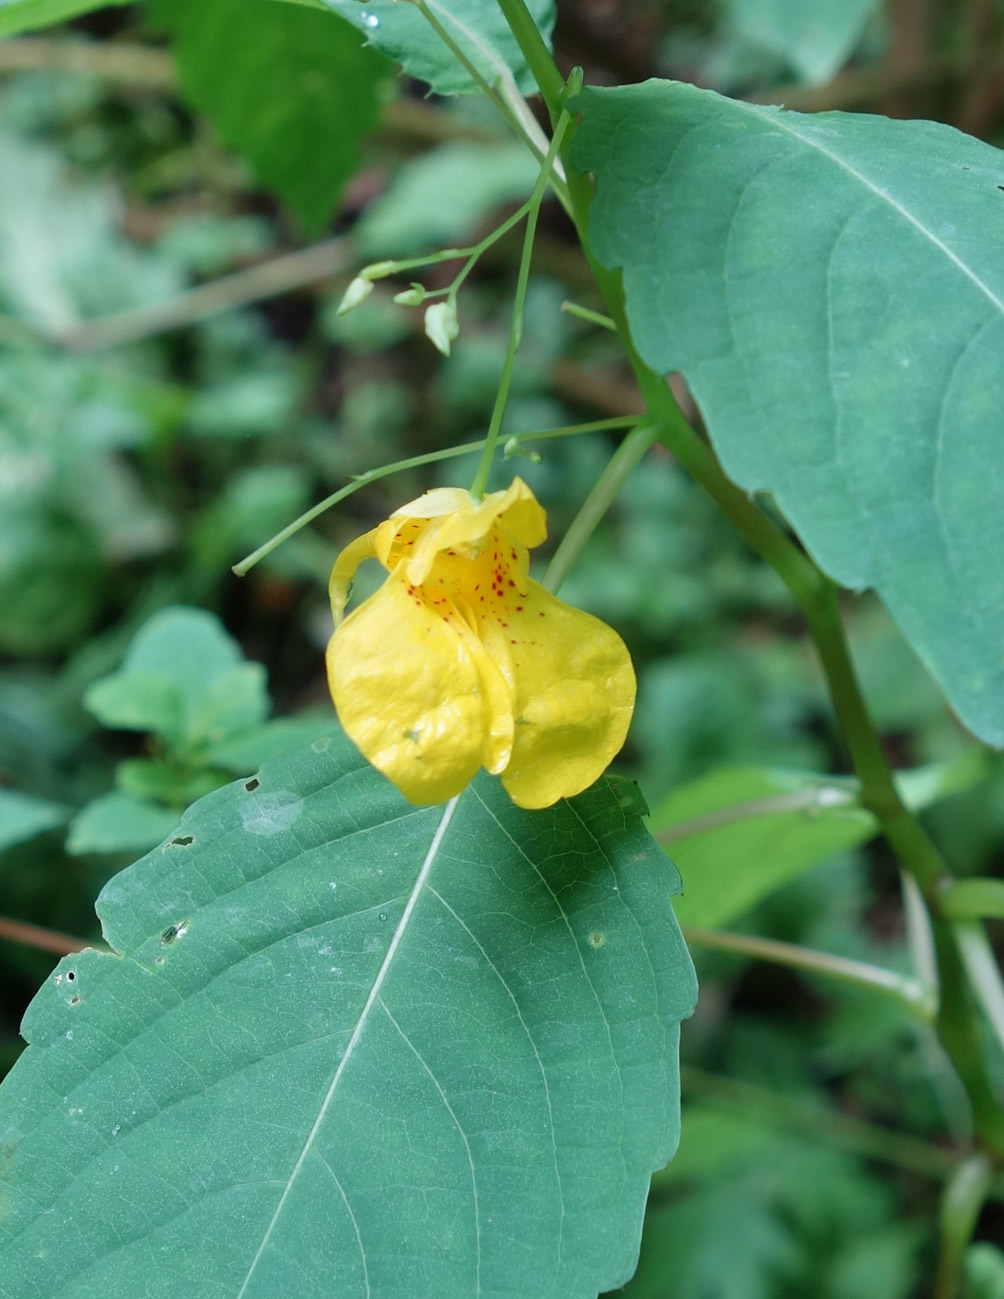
column 358, row 291
column 413, row 297
column 441, row 325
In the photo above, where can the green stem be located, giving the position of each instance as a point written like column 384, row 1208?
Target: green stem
column 536, row 53
column 817, row 798
column 910, row 994
column 957, row 1024
column 586, row 313
column 519, row 301
column 507, row 100
column 416, row 462
column 963, row 1198
column 764, row 1105
column 594, row 507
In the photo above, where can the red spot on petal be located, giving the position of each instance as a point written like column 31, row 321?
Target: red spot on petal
column 519, row 608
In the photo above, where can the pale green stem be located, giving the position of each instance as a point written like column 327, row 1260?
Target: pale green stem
column 505, row 96
column 415, row 462
column 769, row 1106
column 599, row 500
column 472, row 253
column 587, row 313
column 817, row 799
column 963, row 1198
column 912, row 995
column 519, row 302
column 984, row 972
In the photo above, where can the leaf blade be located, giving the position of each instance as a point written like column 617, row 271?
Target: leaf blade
column 818, row 250
column 199, row 1063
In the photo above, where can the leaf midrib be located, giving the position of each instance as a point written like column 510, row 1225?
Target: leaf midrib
column 371, row 1000
column 779, row 121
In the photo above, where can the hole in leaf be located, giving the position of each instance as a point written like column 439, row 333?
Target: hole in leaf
column 596, row 939
column 75, row 1000
column 183, row 840
column 70, row 975
column 173, row 932
column 252, row 784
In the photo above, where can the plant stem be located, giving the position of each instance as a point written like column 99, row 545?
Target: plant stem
column 505, row 96
column 816, row 798
column 863, row 1139
column 957, row 1024
column 963, row 1198
column 265, row 280
column 586, row 313
column 416, row 462
column 519, row 301
column 910, row 994
column 536, row 53
column 46, row 940
column 594, row 507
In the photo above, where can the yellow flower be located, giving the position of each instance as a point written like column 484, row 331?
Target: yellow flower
column 461, row 661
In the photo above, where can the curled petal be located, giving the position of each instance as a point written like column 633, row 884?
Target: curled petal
column 417, row 693
column 345, row 570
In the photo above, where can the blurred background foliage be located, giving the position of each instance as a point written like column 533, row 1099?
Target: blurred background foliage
column 175, row 385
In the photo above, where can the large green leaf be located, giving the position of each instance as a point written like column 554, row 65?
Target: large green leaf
column 348, row 1047
column 290, row 88
column 832, row 289
column 477, row 26
column 24, row 15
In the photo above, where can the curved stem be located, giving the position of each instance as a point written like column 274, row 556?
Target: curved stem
column 416, row 462
column 908, row 993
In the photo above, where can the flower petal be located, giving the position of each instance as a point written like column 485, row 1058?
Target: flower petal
column 417, row 693
column 575, row 690
column 344, row 571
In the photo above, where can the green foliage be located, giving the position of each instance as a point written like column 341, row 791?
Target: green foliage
column 185, row 681
column 142, row 455
column 22, row 817
column 333, row 1101
column 476, row 26
column 301, row 136
column 815, row 42
column 984, row 1272
column 811, row 355
column 25, row 15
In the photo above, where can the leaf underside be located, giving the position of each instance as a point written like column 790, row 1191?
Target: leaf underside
column 832, row 289
column 477, row 26
column 351, row 1047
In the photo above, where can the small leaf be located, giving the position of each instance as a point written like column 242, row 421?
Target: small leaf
column 790, row 266
column 477, row 26
column 351, row 1047
column 119, row 822
column 22, row 817
column 815, row 40
column 183, row 678
column 291, row 88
